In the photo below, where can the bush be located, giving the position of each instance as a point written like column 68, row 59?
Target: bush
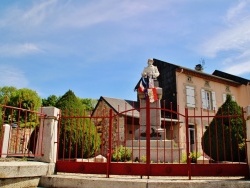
column 224, row 139
column 193, row 157
column 121, row 154
column 78, row 137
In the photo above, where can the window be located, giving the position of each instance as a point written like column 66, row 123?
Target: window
column 190, row 96
column 225, row 97
column 208, row 99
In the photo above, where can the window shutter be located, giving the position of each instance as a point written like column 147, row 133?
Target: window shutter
column 214, row 101
column 190, row 96
column 224, row 97
column 233, row 98
column 203, row 99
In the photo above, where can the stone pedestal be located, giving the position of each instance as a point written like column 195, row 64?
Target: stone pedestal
column 161, row 150
column 47, row 137
column 5, row 140
column 156, row 133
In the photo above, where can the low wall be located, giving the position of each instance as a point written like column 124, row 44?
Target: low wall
column 23, row 174
column 160, row 150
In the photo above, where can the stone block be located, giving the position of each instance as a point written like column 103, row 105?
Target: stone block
column 202, row 160
column 155, row 113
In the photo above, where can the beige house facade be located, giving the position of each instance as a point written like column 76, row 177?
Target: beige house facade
column 184, row 88
column 201, row 94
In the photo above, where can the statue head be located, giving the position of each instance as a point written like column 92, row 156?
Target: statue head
column 150, row 61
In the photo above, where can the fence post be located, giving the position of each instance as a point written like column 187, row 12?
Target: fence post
column 247, row 117
column 5, row 140
column 47, row 136
column 148, row 127
column 187, row 145
column 110, row 143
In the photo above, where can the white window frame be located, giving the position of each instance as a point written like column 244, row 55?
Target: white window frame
column 208, row 99
column 224, row 96
column 190, row 96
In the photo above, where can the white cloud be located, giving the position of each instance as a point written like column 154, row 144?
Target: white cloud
column 11, row 76
column 238, row 12
column 235, row 33
column 232, row 40
column 29, row 16
column 46, row 21
column 238, row 69
column 19, row 49
column 38, row 13
column 76, row 14
column 238, row 65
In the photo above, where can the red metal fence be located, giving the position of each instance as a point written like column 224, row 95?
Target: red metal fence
column 19, row 130
column 192, row 143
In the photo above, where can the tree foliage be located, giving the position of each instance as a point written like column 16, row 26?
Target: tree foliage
column 6, row 93
column 22, row 98
column 50, row 100
column 88, row 103
column 224, row 140
column 78, row 136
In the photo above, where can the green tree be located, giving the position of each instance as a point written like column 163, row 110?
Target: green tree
column 23, row 98
column 224, row 139
column 6, row 93
column 78, row 136
column 88, row 103
column 50, row 101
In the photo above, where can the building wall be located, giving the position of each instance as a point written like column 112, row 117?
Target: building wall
column 101, row 121
column 123, row 127
column 219, row 89
column 244, row 95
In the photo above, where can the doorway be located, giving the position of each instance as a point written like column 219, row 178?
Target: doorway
column 191, row 135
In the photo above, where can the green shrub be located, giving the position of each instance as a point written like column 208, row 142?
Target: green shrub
column 122, row 154
column 143, row 159
column 224, row 138
column 78, row 137
column 193, row 157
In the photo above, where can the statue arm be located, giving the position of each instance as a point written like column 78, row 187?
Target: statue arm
column 156, row 72
column 144, row 73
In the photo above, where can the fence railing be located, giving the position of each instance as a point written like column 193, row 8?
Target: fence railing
column 173, row 148
column 196, row 142
column 19, row 130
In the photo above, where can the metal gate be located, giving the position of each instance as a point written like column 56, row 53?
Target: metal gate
column 175, row 149
column 19, row 132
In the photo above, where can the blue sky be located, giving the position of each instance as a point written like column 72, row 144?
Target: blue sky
column 100, row 47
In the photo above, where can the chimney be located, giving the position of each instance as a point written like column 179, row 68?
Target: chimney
column 199, row 67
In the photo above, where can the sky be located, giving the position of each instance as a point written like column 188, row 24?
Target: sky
column 99, row 47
